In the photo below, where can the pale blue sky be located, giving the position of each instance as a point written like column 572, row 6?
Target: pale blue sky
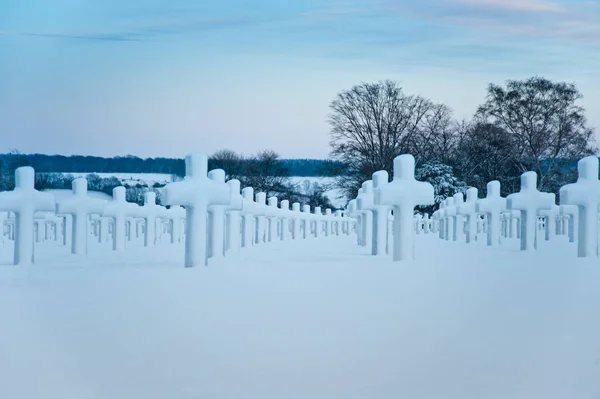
column 163, row 78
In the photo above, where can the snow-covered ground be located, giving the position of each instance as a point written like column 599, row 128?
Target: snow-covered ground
column 310, row 319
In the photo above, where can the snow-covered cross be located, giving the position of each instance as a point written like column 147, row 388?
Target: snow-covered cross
column 176, row 215
column 295, row 220
column 529, row 200
column 216, row 216
column 261, row 221
column 571, row 213
column 404, row 193
column 150, row 212
column 364, row 202
column 285, row 217
column 196, row 192
column 550, row 216
column 380, row 215
column 273, row 214
column 248, row 206
column 80, row 206
column 306, row 221
column 25, row 201
column 492, row 206
column 467, row 209
column 233, row 217
column 119, row 209
column 585, row 194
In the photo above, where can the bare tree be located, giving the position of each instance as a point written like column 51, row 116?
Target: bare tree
column 438, row 138
column 264, row 172
column 228, row 160
column 370, row 125
column 484, row 153
column 546, row 125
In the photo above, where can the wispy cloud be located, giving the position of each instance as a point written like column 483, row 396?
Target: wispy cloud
column 518, row 5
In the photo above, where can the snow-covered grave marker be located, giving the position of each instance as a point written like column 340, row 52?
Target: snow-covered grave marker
column 571, row 214
column 318, row 221
column 273, row 213
column 550, row 217
column 216, row 219
column 458, row 226
column 248, row 209
column 119, row 209
column 285, row 220
column 260, row 209
column 25, row 201
column 449, row 211
column 442, row 223
column 363, row 203
column 467, row 209
column 418, row 223
column 80, row 206
column 529, row 200
column 426, row 223
column 306, row 221
column 295, row 216
column 380, row 215
column 492, row 206
column 404, row 193
column 176, row 216
column 233, row 217
column 150, row 212
column 196, row 192
column 338, row 227
column 585, row 194
column 328, row 222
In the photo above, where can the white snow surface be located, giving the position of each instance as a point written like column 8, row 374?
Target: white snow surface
column 304, row 319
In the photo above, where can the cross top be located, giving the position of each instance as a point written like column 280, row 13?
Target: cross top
column 472, row 194
column 248, row 193
column 367, row 187
column 80, row 186
column 196, row 165
column 25, row 178
column 587, row 168
column 119, row 194
column 217, row 175
column 529, row 181
column 150, row 198
column 458, row 199
column 493, row 189
column 234, row 186
column 404, row 167
column 261, row 198
column 380, row 178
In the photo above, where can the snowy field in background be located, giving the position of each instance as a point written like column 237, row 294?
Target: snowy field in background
column 306, row 319
column 149, row 179
column 132, row 178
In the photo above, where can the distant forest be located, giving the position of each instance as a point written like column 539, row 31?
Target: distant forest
column 132, row 164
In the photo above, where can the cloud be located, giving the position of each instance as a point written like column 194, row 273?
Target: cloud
column 518, row 5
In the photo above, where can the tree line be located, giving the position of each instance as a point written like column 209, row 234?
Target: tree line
column 131, row 164
column 534, row 124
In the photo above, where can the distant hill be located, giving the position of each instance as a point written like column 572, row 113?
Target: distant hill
column 131, row 164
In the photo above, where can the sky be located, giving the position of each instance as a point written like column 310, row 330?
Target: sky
column 165, row 78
